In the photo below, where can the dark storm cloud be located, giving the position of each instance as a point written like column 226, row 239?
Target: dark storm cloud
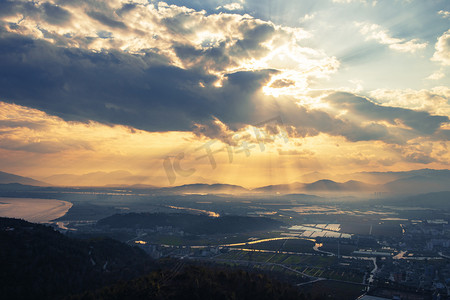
column 420, row 121
column 105, row 20
column 214, row 58
column 310, row 122
column 9, row 8
column 51, row 13
column 116, row 87
column 442, row 135
column 145, row 92
column 226, row 53
column 176, row 25
column 126, row 8
column 55, row 14
column 251, row 43
column 420, row 158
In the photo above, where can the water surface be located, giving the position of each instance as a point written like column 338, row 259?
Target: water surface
column 33, row 210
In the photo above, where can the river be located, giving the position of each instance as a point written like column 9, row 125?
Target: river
column 33, row 210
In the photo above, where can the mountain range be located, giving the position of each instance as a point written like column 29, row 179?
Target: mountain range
column 202, row 188
column 408, row 182
column 6, row 178
column 116, row 178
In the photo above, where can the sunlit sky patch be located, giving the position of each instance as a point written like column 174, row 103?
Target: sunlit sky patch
column 285, row 87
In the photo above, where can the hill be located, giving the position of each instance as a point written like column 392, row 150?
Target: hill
column 419, row 184
column 115, row 178
column 6, row 178
column 195, row 224
column 314, row 176
column 349, row 186
column 324, row 185
column 203, row 188
column 386, row 177
column 198, row 282
column 41, row 263
column 438, row 200
column 281, row 188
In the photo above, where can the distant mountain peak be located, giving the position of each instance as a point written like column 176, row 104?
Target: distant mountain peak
column 208, row 188
column 6, row 178
column 99, row 178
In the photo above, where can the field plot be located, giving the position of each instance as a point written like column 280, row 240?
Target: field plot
column 269, row 245
column 328, row 289
column 288, row 245
column 356, row 227
column 302, row 246
column 319, row 230
column 333, row 227
column 332, row 246
column 384, row 228
column 387, row 228
column 311, row 265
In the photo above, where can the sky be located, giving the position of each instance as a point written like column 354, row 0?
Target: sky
column 246, row 92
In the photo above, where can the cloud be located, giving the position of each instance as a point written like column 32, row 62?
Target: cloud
column 231, row 6
column 105, row 20
column 31, row 130
column 119, row 88
column 356, row 119
column 436, row 75
column 215, row 129
column 56, row 15
column 220, row 43
column 113, row 85
column 444, row 13
column 421, row 152
column 26, row 133
column 281, row 83
column 303, row 153
column 435, row 101
column 442, row 47
column 374, row 2
column 420, row 158
column 82, row 85
column 420, row 121
column 183, row 70
column 382, row 36
column 308, row 17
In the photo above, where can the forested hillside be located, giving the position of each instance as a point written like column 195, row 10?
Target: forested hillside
column 38, row 262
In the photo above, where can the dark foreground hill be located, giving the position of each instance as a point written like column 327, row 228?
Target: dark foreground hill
column 38, row 262
column 198, row 282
